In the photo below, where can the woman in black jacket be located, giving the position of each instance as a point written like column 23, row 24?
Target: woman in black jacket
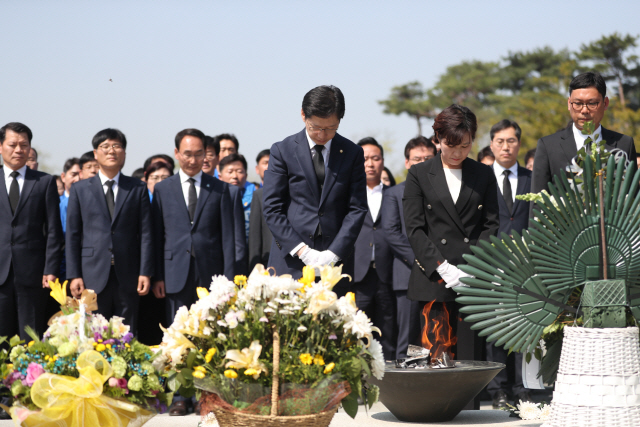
column 450, row 202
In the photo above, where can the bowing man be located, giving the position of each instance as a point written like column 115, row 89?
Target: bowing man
column 450, row 202
column 315, row 196
column 109, row 239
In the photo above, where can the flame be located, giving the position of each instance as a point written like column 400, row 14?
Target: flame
column 439, row 331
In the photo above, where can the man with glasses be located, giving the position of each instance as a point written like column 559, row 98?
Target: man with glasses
column 109, row 238
column 587, row 102
column 315, row 197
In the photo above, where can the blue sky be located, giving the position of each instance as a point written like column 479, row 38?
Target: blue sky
column 244, row 66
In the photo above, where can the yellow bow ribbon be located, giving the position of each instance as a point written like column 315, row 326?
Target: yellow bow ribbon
column 70, row 402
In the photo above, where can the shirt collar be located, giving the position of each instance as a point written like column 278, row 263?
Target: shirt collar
column 7, row 171
column 103, row 178
column 376, row 189
column 577, row 134
column 184, row 177
column 313, row 144
column 499, row 170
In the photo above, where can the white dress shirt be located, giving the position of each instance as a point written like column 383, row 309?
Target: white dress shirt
column 580, row 138
column 454, row 182
column 374, row 200
column 8, row 180
column 105, row 188
column 184, row 182
column 513, row 178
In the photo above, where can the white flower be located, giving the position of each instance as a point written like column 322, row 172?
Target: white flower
column 209, row 420
column 321, row 299
column 359, row 325
column 377, row 364
column 222, row 337
column 545, row 413
column 181, row 319
column 302, row 328
column 175, row 345
column 528, row 410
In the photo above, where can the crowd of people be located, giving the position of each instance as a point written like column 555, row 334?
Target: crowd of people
column 145, row 242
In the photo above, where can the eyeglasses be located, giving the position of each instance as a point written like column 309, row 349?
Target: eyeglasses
column 317, row 129
column 105, row 148
column 420, row 159
column 500, row 142
column 591, row 106
column 158, row 178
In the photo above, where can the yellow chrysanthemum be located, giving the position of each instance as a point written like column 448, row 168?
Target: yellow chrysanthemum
column 200, row 368
column 202, row 292
column 240, row 280
column 351, row 297
column 58, row 291
column 31, row 343
column 306, row 358
column 252, row 372
column 100, row 347
column 10, row 366
column 210, row 353
column 329, row 367
column 318, row 360
column 230, row 373
column 198, row 374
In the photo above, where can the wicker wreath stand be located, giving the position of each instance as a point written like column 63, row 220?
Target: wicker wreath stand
column 228, row 418
column 598, row 381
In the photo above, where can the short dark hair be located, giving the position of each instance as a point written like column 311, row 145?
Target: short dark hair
column 189, row 132
column 210, row 142
column 505, row 124
column 231, row 137
column 419, row 141
column 109, row 133
column 235, row 157
column 17, row 128
column 485, row 152
column 453, row 123
column 167, row 159
column 154, row 167
column 323, row 101
column 371, row 141
column 263, row 153
column 70, row 163
column 35, row 151
column 86, row 158
column 531, row 154
column 589, row 79
column 138, row 173
column 392, row 180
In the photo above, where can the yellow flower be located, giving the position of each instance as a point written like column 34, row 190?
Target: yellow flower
column 230, row 373
column 321, row 301
column 10, row 366
column 212, row 351
column 252, row 372
column 329, row 367
column 247, row 359
column 31, row 343
column 202, row 292
column 200, row 368
column 127, row 345
column 240, row 280
column 308, row 277
column 198, row 374
column 58, row 291
column 109, row 346
column 100, row 347
column 351, row 297
column 318, row 360
column 329, row 276
column 306, row 358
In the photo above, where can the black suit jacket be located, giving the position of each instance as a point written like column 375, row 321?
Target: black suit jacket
column 31, row 239
column 396, row 236
column 440, row 230
column 293, row 205
column 555, row 152
column 93, row 237
column 372, row 235
column 240, row 234
column 517, row 220
column 211, row 236
column 259, row 235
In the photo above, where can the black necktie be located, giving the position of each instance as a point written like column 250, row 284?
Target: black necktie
column 111, row 199
column 14, row 191
column 318, row 165
column 193, row 198
column 506, row 191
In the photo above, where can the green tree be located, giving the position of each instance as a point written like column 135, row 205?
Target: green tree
column 410, row 99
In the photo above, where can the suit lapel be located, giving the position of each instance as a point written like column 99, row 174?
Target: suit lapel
column 4, row 196
column 522, row 185
column 29, row 182
column 466, row 187
column 95, row 187
column 205, row 191
column 439, row 185
column 176, row 191
column 336, row 156
column 568, row 143
column 124, row 188
column 303, row 154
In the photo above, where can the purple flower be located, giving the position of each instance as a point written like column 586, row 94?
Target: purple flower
column 333, row 337
column 13, row 376
column 122, row 382
column 97, row 336
column 109, row 341
column 34, row 370
column 127, row 337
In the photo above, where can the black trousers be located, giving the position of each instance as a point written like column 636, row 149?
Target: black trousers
column 21, row 307
column 118, row 299
column 501, row 381
column 408, row 319
column 378, row 301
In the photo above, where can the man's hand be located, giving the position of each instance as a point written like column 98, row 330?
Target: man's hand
column 76, row 287
column 310, row 257
column 327, row 258
column 158, row 289
column 302, row 250
column 46, row 278
column 144, row 284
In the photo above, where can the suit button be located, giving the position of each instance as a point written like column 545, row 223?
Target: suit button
column 374, row 228
column 443, row 241
column 321, row 213
column 370, row 244
column 429, row 207
column 187, row 250
column 480, row 207
column 466, row 240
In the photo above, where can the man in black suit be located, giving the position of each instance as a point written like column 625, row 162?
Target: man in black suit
column 315, row 198
column 30, row 236
column 372, row 285
column 587, row 102
column 260, row 237
column 109, row 238
column 194, row 229
column 416, row 151
column 514, row 216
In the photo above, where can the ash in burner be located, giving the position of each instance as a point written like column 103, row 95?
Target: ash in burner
column 419, row 358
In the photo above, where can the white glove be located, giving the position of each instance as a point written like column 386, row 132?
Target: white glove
column 310, row 257
column 451, row 275
column 328, row 258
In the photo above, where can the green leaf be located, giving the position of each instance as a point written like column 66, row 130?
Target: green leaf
column 191, row 358
column 528, row 357
column 15, row 340
column 172, row 381
column 350, row 404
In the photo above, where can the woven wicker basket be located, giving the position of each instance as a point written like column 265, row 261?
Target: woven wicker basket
column 229, row 418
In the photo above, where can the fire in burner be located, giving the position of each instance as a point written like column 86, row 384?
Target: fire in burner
column 418, row 358
column 437, row 334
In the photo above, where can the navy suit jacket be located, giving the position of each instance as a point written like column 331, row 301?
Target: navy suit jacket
column 518, row 220
column 293, row 205
column 396, row 236
column 92, row 237
column 211, row 235
column 372, row 235
column 240, row 234
column 31, row 239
